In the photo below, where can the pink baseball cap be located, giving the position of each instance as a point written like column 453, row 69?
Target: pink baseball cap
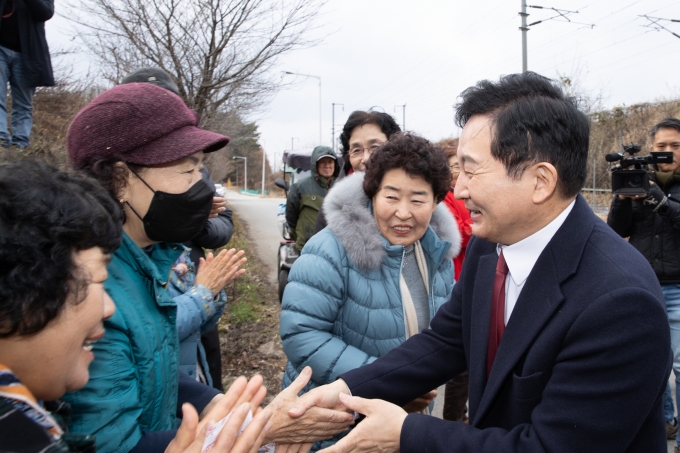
column 142, row 124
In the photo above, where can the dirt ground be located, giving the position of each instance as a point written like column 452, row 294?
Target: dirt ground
column 254, row 347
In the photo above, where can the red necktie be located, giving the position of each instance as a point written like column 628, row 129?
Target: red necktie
column 497, row 322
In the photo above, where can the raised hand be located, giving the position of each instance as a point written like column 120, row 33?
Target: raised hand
column 244, row 396
column 214, row 272
column 219, row 204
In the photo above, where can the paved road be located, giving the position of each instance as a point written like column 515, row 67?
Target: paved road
column 260, row 216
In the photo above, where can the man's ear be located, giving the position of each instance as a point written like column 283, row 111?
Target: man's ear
column 545, row 177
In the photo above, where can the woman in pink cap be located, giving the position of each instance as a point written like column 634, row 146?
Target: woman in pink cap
column 144, row 146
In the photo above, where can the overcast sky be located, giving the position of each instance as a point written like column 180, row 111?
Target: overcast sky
column 387, row 53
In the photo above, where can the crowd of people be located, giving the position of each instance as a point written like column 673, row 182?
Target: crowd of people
column 476, row 265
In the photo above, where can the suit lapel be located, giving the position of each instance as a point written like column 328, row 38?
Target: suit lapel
column 479, row 337
column 537, row 302
column 541, row 296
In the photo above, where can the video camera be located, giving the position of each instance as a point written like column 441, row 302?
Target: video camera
column 634, row 181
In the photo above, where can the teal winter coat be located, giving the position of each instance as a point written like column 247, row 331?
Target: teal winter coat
column 134, row 376
column 342, row 307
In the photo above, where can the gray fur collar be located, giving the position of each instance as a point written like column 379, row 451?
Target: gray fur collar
column 352, row 223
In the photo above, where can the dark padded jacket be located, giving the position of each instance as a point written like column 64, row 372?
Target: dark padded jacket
column 305, row 199
column 217, row 232
column 35, row 54
column 654, row 234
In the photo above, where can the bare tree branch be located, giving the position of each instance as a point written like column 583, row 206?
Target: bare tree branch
column 219, row 52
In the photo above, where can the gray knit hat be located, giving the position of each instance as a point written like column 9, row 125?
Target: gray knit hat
column 152, row 75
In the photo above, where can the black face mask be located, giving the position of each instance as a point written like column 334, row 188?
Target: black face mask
column 177, row 217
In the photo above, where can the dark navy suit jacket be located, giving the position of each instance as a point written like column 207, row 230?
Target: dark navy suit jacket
column 581, row 367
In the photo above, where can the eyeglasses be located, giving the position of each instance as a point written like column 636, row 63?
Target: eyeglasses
column 358, row 151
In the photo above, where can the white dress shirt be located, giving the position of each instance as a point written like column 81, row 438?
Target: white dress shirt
column 522, row 256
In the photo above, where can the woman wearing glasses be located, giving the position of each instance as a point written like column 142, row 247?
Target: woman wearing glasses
column 362, row 134
column 379, row 272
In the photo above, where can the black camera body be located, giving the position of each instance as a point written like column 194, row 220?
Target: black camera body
column 634, row 181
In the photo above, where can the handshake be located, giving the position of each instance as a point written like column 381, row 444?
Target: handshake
column 292, row 422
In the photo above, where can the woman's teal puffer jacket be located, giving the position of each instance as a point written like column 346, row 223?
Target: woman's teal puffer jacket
column 342, row 306
column 134, row 376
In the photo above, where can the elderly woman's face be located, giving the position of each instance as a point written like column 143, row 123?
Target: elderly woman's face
column 174, row 177
column 363, row 141
column 403, row 207
column 455, row 169
column 56, row 359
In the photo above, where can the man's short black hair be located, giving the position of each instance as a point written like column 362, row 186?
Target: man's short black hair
column 416, row 156
column 666, row 123
column 531, row 121
column 384, row 121
column 46, row 217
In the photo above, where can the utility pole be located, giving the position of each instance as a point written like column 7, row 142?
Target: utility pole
column 245, row 165
column 562, row 16
column 333, row 124
column 403, row 115
column 292, row 142
column 524, row 29
column 263, row 160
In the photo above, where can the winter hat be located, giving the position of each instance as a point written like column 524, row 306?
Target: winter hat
column 152, row 75
column 141, row 123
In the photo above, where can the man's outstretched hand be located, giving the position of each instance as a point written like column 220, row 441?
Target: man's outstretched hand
column 380, row 431
column 317, row 415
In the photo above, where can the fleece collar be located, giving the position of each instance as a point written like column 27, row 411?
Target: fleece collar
column 350, row 218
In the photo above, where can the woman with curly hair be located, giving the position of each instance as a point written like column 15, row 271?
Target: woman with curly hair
column 379, row 272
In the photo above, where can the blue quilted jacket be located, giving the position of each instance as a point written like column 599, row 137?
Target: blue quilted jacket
column 342, row 306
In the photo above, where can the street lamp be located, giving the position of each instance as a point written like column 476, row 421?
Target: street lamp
column 319, row 79
column 333, row 123
column 245, row 165
column 264, row 158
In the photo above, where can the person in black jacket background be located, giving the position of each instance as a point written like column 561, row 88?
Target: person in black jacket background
column 653, row 224
column 24, row 64
column 217, row 233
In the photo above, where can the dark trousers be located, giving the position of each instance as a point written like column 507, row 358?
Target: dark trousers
column 455, row 398
column 211, row 344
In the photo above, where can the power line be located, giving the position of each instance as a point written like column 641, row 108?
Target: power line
column 655, row 25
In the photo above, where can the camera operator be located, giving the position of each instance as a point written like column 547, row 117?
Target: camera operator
column 652, row 222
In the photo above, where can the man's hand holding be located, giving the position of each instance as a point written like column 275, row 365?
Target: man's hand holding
column 380, row 431
column 315, row 416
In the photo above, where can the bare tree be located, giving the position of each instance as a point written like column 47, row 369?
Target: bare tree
column 220, row 52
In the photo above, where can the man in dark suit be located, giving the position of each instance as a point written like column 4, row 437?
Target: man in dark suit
column 560, row 323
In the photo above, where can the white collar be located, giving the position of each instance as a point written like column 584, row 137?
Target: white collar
column 522, row 256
